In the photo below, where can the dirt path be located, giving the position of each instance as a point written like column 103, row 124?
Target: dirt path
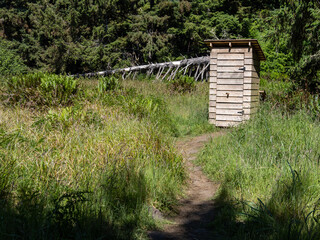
column 196, row 210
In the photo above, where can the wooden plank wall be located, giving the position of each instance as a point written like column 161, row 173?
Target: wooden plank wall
column 229, row 89
column 250, row 86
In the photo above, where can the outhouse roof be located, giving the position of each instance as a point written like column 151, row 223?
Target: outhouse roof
column 237, row 43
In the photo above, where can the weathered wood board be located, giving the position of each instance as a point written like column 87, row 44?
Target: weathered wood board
column 229, row 87
column 234, row 81
column 229, row 101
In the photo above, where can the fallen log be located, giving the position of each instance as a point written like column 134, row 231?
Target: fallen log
column 149, row 68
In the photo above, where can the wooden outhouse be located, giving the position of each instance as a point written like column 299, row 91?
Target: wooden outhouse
column 234, row 80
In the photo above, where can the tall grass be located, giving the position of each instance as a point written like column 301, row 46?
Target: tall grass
column 287, row 96
column 188, row 111
column 180, row 113
column 91, row 165
column 89, row 170
column 269, row 175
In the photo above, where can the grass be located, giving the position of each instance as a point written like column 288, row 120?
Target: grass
column 188, row 111
column 269, row 175
column 39, row 90
column 108, row 167
column 95, row 168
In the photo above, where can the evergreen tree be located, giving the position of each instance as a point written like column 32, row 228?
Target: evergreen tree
column 89, row 35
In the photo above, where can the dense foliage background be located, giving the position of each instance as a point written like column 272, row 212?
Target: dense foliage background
column 87, row 35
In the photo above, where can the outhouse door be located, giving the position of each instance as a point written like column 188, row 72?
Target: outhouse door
column 229, row 103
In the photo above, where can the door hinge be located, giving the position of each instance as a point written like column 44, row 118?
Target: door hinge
column 242, row 68
column 241, row 112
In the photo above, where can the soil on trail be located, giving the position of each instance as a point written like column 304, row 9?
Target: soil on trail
column 196, row 210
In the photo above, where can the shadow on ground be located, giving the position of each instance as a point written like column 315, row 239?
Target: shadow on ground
column 193, row 223
column 282, row 217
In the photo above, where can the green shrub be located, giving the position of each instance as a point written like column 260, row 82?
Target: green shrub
column 40, row 89
column 108, row 84
column 58, row 90
column 10, row 61
column 182, row 84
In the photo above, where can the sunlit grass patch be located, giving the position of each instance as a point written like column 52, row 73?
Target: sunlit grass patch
column 188, row 111
column 268, row 169
column 90, row 170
